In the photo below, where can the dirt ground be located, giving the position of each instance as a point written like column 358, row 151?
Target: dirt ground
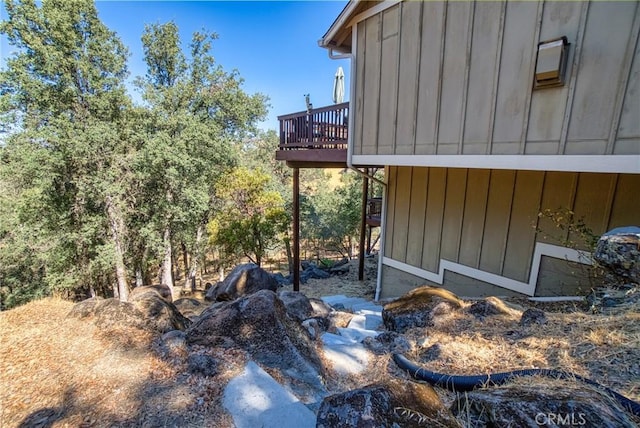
column 347, row 284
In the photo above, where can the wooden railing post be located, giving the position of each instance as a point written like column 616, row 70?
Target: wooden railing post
column 296, row 229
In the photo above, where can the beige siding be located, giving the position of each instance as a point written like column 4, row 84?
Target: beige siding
column 453, row 208
column 524, row 214
column 408, row 78
column 370, row 53
column 428, row 90
column 454, row 74
column 603, row 51
column 456, row 78
column 497, row 220
column 417, row 214
column 474, row 216
column 628, row 135
column 485, row 57
column 489, row 219
column 518, row 56
column 390, row 56
column 434, row 218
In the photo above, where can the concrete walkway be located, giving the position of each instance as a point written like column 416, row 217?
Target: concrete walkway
column 255, row 399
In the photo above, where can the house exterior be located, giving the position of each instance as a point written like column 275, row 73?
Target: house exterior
column 443, row 96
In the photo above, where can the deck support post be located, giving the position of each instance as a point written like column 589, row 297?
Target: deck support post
column 296, row 229
column 363, row 224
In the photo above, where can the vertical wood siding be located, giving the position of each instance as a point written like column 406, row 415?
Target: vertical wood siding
column 456, row 78
column 489, row 219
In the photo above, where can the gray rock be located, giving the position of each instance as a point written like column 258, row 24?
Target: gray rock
column 313, row 273
column 418, row 308
column 483, row 308
column 84, row 309
column 202, row 364
column 320, row 308
column 618, row 252
column 340, row 270
column 392, row 404
column 160, row 289
column 540, row 405
column 243, row 280
column 387, row 342
column 259, row 324
column 112, row 312
column 159, row 314
column 281, row 279
column 313, row 327
column 147, row 311
column 190, row 308
column 533, row 316
column 297, row 304
column 173, row 344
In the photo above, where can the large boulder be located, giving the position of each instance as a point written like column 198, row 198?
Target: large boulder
column 618, row 251
column 391, row 404
column 190, row 308
column 259, row 324
column 418, row 308
column 159, row 314
column 553, row 403
column 147, row 312
column 243, row 279
column 161, row 290
column 297, row 304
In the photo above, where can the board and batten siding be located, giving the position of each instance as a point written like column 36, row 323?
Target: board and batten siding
column 488, row 220
column 453, row 78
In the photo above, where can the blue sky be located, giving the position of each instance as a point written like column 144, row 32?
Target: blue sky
column 273, row 45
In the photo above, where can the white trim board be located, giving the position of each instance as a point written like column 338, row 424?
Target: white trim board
column 528, row 288
column 374, row 10
column 577, row 163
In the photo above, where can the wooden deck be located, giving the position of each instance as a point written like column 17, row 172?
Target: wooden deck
column 316, row 138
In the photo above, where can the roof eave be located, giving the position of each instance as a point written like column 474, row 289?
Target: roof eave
column 328, row 40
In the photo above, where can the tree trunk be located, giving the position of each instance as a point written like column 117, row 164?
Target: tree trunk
column 167, row 275
column 190, row 274
column 185, row 260
column 117, row 226
column 287, row 246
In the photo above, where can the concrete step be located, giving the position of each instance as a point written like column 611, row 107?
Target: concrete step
column 357, row 335
column 367, row 321
column 255, row 399
column 351, row 358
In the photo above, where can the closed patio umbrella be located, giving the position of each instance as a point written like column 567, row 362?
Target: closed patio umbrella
column 338, row 87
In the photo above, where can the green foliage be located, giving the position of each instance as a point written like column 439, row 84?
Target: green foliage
column 98, row 187
column 566, row 229
column 562, row 226
column 64, row 157
column 195, row 113
column 330, row 219
column 251, row 217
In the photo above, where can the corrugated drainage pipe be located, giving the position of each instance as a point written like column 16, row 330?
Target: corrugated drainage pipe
column 467, row 383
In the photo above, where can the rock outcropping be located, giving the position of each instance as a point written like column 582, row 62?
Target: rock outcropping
column 243, row 279
column 618, row 252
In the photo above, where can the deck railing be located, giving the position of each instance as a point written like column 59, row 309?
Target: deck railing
column 321, row 128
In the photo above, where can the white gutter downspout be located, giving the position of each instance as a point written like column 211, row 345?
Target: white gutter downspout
column 352, row 94
column 352, row 97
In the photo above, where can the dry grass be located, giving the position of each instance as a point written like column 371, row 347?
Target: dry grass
column 64, row 372
column 605, row 348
